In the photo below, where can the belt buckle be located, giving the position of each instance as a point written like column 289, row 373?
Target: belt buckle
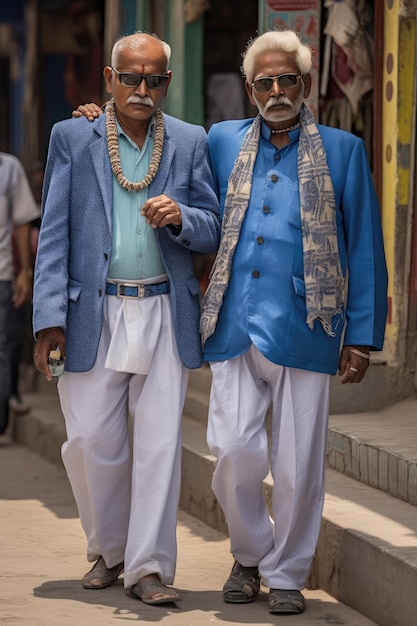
column 120, row 287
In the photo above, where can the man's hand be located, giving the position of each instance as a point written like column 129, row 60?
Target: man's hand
column 47, row 340
column 352, row 365
column 161, row 211
column 90, row 110
column 22, row 290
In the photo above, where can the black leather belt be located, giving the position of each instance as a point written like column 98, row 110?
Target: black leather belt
column 136, row 291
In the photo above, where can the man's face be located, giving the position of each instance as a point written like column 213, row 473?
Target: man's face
column 278, row 104
column 137, row 103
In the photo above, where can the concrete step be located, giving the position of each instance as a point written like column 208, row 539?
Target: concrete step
column 196, row 405
column 367, row 551
column 377, row 448
column 200, row 379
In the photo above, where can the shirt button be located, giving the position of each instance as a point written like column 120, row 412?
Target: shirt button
column 256, row 274
column 274, row 178
column 266, row 209
column 260, row 240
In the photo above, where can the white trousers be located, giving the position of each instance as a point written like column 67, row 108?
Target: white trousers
column 242, row 391
column 128, row 499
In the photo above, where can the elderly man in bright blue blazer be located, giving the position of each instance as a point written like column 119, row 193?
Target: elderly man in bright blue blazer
column 298, row 290
column 127, row 199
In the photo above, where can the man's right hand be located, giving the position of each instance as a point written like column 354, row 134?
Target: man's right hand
column 90, row 110
column 47, row 340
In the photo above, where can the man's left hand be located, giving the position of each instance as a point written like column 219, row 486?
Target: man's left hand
column 353, row 366
column 161, row 211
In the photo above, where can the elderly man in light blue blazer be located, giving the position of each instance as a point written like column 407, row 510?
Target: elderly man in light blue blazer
column 126, row 201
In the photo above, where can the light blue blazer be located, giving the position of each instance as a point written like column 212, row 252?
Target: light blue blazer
column 265, row 301
column 76, row 234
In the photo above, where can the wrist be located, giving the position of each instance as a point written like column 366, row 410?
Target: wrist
column 27, row 272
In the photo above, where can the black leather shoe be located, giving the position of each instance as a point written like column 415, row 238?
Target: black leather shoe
column 285, row 601
column 242, row 585
column 101, row 576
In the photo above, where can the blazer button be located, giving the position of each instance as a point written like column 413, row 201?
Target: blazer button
column 185, row 242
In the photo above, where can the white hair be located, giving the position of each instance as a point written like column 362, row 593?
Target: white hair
column 136, row 42
column 276, row 40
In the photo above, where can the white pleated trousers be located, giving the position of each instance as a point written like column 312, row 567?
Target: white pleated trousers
column 127, row 495
column 242, row 391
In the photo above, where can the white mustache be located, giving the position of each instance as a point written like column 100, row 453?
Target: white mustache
column 277, row 100
column 146, row 100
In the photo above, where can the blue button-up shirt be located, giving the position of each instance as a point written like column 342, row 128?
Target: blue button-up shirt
column 135, row 252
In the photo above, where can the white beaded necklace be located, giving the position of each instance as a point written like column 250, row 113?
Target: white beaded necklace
column 113, row 147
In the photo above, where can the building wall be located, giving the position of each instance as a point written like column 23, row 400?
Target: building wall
column 398, row 164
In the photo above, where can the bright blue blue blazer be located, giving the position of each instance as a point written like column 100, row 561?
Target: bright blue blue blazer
column 269, row 310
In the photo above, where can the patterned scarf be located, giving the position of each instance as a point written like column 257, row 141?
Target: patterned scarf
column 323, row 277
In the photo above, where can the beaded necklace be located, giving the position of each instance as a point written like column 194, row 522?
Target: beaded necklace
column 113, row 147
column 285, row 130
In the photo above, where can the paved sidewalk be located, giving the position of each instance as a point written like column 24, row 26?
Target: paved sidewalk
column 42, row 552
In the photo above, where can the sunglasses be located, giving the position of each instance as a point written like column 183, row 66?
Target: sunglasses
column 285, row 81
column 153, row 81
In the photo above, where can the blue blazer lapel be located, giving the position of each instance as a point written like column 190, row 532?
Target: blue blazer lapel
column 159, row 184
column 102, row 167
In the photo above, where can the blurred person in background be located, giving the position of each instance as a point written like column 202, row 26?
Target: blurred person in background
column 17, row 210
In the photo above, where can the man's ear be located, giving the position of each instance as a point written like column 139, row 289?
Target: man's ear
column 108, row 74
column 249, row 89
column 306, row 78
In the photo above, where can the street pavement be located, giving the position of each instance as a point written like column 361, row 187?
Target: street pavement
column 42, row 555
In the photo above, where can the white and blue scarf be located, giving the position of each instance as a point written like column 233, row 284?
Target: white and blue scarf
column 323, row 277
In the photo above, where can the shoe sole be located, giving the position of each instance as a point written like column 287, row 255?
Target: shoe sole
column 238, row 598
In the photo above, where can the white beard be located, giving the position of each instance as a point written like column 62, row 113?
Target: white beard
column 292, row 110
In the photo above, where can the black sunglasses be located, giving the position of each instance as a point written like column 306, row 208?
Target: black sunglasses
column 285, row 81
column 153, row 81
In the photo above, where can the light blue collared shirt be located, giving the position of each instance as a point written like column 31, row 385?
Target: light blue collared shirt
column 135, row 252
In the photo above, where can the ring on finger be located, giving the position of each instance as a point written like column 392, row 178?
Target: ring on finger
column 354, row 369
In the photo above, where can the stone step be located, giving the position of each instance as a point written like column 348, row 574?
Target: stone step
column 367, row 551
column 200, row 379
column 196, row 405
column 377, row 448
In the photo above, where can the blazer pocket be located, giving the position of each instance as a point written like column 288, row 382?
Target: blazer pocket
column 312, row 345
column 74, row 290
